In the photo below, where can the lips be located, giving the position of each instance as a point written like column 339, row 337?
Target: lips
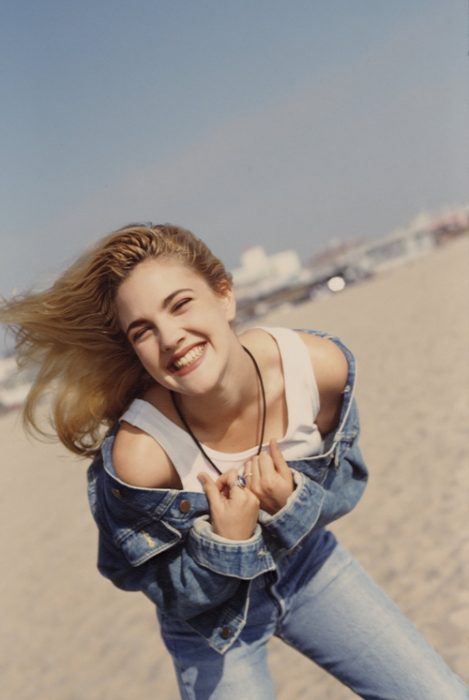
column 184, row 361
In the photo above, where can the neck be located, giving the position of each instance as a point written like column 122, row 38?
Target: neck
column 196, row 439
column 239, row 388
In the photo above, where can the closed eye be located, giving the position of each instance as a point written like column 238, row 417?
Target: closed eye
column 140, row 333
column 181, row 304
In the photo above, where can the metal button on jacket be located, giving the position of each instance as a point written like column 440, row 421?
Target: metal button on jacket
column 185, row 506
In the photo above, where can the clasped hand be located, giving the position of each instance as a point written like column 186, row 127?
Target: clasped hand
column 234, row 510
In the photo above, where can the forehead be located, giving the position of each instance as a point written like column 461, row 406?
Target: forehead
column 152, row 281
column 159, row 273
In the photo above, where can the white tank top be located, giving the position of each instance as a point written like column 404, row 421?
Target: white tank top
column 302, row 437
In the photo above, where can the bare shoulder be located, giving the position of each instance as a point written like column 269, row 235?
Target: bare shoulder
column 264, row 345
column 331, row 370
column 141, row 461
column 328, row 361
column 256, row 338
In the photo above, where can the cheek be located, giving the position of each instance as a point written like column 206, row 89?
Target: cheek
column 147, row 353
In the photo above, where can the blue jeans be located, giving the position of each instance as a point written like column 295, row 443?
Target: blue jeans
column 338, row 617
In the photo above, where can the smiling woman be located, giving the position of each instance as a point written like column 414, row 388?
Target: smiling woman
column 173, row 318
column 219, row 461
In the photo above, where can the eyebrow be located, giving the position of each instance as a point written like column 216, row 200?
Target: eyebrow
column 166, row 303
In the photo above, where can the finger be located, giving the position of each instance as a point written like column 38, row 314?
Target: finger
column 225, row 479
column 268, row 473
column 278, row 458
column 231, row 477
column 238, row 493
column 210, row 488
column 247, row 472
column 266, row 465
column 235, row 479
column 255, row 480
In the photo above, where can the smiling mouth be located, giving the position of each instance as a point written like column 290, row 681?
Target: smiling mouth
column 189, row 358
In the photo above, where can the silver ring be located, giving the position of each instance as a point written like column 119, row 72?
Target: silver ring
column 240, row 481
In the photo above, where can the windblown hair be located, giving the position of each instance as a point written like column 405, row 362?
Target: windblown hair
column 70, row 332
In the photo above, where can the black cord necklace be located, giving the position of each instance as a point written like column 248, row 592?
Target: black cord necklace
column 264, row 414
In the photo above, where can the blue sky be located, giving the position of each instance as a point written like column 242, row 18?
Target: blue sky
column 286, row 123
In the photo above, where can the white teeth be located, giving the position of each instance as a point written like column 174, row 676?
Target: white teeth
column 189, row 357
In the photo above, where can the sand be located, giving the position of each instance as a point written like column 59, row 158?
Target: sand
column 67, row 634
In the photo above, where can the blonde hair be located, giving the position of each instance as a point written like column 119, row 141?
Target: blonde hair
column 71, row 332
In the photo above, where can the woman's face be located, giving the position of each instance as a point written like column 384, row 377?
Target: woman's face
column 177, row 325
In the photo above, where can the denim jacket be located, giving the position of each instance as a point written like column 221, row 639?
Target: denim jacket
column 159, row 541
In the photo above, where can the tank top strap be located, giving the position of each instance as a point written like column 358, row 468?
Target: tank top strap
column 301, row 389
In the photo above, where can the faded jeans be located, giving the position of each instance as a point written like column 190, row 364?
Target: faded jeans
column 338, row 617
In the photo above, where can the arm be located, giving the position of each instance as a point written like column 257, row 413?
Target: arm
column 326, row 488
column 330, row 485
column 331, row 369
column 178, row 579
column 158, row 548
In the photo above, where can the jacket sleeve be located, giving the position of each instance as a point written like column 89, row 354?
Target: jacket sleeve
column 327, row 486
column 184, row 572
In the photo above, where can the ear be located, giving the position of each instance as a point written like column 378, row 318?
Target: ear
column 229, row 302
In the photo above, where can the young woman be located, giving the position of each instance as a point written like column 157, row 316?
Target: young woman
column 225, row 457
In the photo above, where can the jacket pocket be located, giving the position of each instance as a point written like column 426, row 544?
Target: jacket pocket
column 151, row 538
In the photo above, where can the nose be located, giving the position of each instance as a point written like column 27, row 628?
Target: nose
column 170, row 334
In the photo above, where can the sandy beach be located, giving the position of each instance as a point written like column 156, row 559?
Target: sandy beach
column 68, row 634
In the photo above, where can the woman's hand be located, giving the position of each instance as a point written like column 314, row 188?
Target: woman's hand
column 233, row 509
column 270, row 478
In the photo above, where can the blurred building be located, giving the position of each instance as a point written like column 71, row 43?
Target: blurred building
column 420, row 237
column 260, row 273
column 264, row 282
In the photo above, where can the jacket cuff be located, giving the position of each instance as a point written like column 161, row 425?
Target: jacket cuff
column 244, row 559
column 299, row 514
